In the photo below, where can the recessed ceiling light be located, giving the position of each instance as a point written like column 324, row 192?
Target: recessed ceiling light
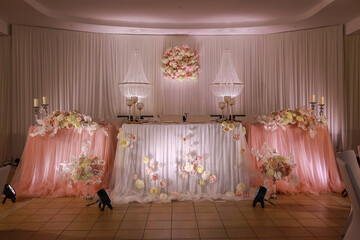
column 225, row 30
column 135, row 30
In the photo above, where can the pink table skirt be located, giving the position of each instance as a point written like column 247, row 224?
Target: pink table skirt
column 36, row 175
column 314, row 157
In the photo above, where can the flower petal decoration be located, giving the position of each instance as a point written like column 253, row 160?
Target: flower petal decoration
column 180, row 63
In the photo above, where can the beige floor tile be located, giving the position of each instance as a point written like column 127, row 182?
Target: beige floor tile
column 204, row 204
column 133, row 225
column 236, row 233
column 287, row 222
column 278, row 215
column 334, row 222
column 159, row 216
column 70, row 210
column 207, row 216
column 103, row 235
column 189, row 209
column 157, row 234
column 115, row 217
column 54, row 226
column 210, row 224
column 24, row 212
column 158, row 225
column 50, row 211
column 29, row 226
column 261, row 223
column 227, row 209
column 13, row 219
column 302, row 215
column 206, row 209
column 255, row 215
column 80, row 226
column 45, row 235
column 295, row 232
column 183, row 216
column 86, row 218
column 58, row 205
column 63, row 218
column 136, row 217
column 311, row 222
column 213, row 233
column 227, row 204
column 323, row 231
column 16, row 235
column 231, row 215
column 184, row 224
column 313, row 208
column 106, row 226
column 185, row 234
column 8, row 226
column 39, row 218
column 91, row 211
column 73, row 235
column 268, row 232
column 182, row 204
column 129, row 234
column 138, row 210
column 160, row 210
column 235, row 223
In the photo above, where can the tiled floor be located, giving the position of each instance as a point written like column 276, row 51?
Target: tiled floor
column 295, row 217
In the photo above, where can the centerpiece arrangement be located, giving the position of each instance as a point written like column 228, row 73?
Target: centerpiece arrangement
column 300, row 117
column 180, row 63
column 70, row 120
column 275, row 167
column 83, row 168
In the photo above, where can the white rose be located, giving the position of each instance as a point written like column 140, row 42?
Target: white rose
column 240, row 187
column 189, row 167
column 230, row 194
column 163, row 196
column 205, row 175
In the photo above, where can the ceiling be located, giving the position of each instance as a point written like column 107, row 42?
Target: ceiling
column 190, row 17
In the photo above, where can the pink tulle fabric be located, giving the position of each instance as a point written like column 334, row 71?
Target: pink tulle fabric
column 314, row 157
column 36, row 175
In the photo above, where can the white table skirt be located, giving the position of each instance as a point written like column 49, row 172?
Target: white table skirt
column 168, row 148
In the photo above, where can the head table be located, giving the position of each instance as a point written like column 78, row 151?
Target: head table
column 163, row 162
column 314, row 156
column 36, row 175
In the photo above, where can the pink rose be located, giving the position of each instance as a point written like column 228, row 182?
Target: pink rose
column 163, row 183
column 148, row 171
column 236, row 136
column 193, row 172
column 154, row 177
column 239, row 194
column 174, row 195
column 79, row 171
column 199, row 159
column 212, row 179
column 133, row 138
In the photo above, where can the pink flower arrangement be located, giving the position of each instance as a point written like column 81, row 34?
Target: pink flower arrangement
column 180, row 63
column 154, row 177
column 162, row 183
column 273, row 166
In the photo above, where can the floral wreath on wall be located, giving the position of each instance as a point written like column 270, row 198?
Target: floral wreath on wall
column 180, row 63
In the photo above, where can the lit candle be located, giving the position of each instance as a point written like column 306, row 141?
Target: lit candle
column 322, row 100
column 312, row 98
column 36, row 102
column 45, row 100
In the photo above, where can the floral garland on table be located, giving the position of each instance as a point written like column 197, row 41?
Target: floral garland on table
column 180, row 63
column 301, row 117
column 273, row 166
column 83, row 168
column 70, row 120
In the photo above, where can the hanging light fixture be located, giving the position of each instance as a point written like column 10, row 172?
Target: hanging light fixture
column 135, row 83
column 227, row 83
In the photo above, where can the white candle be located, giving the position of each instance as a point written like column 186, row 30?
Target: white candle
column 312, row 98
column 45, row 100
column 36, row 102
column 322, row 100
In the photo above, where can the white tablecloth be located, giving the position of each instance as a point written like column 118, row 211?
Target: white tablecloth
column 154, row 154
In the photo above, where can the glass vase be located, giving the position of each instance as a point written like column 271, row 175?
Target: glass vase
column 88, row 197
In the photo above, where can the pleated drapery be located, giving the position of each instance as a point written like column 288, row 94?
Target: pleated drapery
column 81, row 71
column 5, row 103
column 352, row 89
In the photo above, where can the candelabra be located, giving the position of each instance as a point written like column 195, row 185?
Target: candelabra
column 321, row 113
column 312, row 105
column 44, row 109
column 36, row 114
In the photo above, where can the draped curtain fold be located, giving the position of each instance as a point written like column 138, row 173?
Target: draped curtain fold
column 352, row 89
column 81, row 71
column 5, row 103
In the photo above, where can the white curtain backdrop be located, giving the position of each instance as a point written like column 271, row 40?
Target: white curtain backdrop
column 77, row 70
column 352, row 88
column 5, row 81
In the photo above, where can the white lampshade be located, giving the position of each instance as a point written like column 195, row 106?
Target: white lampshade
column 227, row 82
column 135, row 83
